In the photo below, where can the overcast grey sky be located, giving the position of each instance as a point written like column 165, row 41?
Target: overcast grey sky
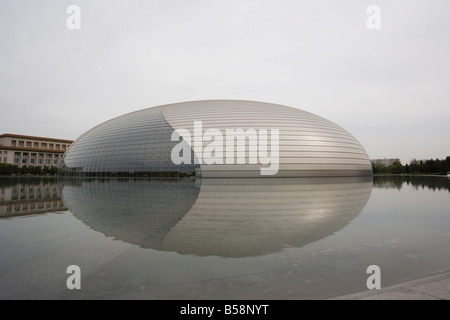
column 388, row 87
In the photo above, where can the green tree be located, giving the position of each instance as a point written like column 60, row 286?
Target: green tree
column 37, row 170
column 8, row 169
column 397, row 167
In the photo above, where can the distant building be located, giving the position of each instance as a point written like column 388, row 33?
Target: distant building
column 32, row 151
column 383, row 162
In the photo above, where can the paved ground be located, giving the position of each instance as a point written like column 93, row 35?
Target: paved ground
column 435, row 287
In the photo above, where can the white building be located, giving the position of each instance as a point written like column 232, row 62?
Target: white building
column 33, row 151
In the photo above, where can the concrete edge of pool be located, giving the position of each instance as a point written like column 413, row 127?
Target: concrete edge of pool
column 433, row 287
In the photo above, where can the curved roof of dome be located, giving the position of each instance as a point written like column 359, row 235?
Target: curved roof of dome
column 141, row 143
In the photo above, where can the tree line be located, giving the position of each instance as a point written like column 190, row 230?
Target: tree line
column 7, row 169
column 430, row 166
column 414, row 167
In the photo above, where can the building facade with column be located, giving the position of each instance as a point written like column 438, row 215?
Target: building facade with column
column 22, row 150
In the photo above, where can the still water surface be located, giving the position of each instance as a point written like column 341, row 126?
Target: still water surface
column 219, row 239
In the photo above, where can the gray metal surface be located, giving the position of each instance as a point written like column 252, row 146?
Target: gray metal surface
column 140, row 144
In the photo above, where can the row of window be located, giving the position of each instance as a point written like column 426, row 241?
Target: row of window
column 36, row 154
column 32, row 161
column 38, row 145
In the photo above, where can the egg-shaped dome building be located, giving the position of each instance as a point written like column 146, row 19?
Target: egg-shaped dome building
column 216, row 138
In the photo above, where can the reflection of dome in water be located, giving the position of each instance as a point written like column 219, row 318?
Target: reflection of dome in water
column 137, row 211
column 228, row 217
column 140, row 143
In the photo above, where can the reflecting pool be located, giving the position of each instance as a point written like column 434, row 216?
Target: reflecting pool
column 274, row 238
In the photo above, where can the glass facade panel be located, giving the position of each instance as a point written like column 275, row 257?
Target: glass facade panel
column 136, row 144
